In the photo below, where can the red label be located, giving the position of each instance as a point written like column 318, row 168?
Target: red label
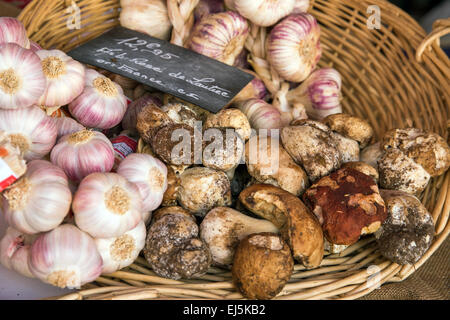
column 7, row 182
column 124, row 145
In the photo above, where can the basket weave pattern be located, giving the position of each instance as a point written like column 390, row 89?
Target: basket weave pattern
column 394, row 77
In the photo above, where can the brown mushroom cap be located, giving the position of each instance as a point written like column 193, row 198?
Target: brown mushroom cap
column 173, row 183
column 428, row 149
column 298, row 226
column 202, row 189
column 371, row 154
column 286, row 174
column 351, row 127
column 399, row 172
column 364, row 168
column 311, row 145
column 182, row 114
column 149, row 120
column 347, row 204
column 348, row 148
column 262, row 266
column 408, row 232
column 230, row 118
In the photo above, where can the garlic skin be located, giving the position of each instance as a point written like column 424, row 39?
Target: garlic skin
column 255, row 89
column 293, row 47
column 129, row 120
column 146, row 16
column 65, row 78
column 119, row 252
column 82, row 153
column 149, row 175
column 65, row 257
column 301, row 6
column 13, row 31
column 207, row 7
column 39, row 201
column 102, row 103
column 320, row 94
column 264, row 13
column 29, row 129
column 106, row 205
column 220, row 36
column 229, row 4
column 35, row 46
column 261, row 115
column 15, row 250
column 22, row 81
column 66, row 125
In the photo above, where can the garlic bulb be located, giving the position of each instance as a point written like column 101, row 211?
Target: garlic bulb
column 241, row 60
column 34, row 46
column 38, row 201
column 119, row 252
column 29, row 129
column 220, row 36
column 207, row 7
column 13, row 31
column 82, row 153
column 293, row 47
column 261, row 115
column 320, row 94
column 66, row 125
column 149, row 175
column 255, row 89
column 65, row 257
column 102, row 103
column 301, row 6
column 264, row 12
column 129, row 121
column 22, row 81
column 106, row 205
column 229, row 4
column 65, row 78
column 15, row 250
column 146, row 16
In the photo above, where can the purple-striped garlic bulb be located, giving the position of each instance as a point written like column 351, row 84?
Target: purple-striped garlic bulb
column 129, row 120
column 207, row 7
column 34, row 46
column 65, row 78
column 293, row 47
column 102, row 103
column 241, row 60
column 82, row 153
column 261, row 115
column 301, row 6
column 67, row 125
column 264, row 12
column 22, row 81
column 320, row 94
column 220, row 36
column 13, row 31
column 255, row 89
column 107, row 205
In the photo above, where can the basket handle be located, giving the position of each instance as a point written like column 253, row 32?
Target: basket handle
column 441, row 27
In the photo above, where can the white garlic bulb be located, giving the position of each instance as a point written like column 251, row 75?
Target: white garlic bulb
column 102, row 103
column 22, row 81
column 39, row 200
column 34, row 46
column 149, row 175
column 13, row 31
column 301, row 6
column 320, row 93
column 66, row 125
column 65, row 78
column 261, row 115
column 119, row 252
column 146, row 16
column 264, row 12
column 220, row 36
column 107, row 205
column 82, row 153
column 65, row 257
column 29, row 129
column 293, row 47
column 15, row 250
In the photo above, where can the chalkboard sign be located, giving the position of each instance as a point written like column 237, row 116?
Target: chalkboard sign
column 159, row 64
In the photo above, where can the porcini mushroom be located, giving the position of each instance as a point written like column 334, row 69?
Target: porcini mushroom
column 371, row 154
column 223, row 228
column 350, row 127
column 230, row 118
column 364, row 168
column 149, row 120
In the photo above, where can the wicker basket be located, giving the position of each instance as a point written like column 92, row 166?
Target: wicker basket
column 396, row 76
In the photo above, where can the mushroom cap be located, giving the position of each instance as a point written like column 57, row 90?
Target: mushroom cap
column 230, row 118
column 311, row 145
column 364, row 168
column 262, row 266
column 223, row 228
column 298, row 226
column 149, row 120
column 371, row 154
column 351, row 127
column 347, row 204
column 173, row 183
column 182, row 114
column 428, row 149
column 408, row 232
column 202, row 189
column 173, row 250
column 276, row 168
column 223, row 150
column 348, row 148
column 399, row 172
